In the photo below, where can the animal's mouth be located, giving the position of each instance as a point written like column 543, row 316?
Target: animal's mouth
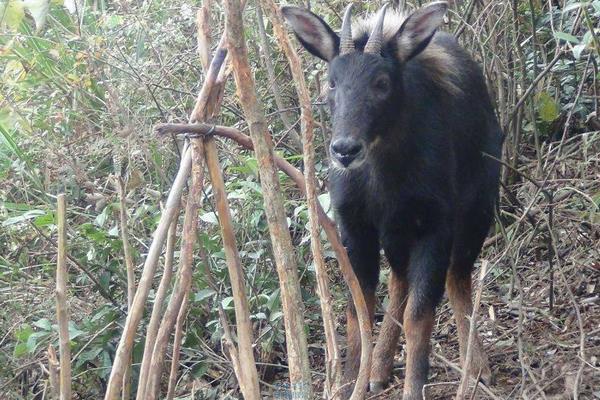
column 349, row 163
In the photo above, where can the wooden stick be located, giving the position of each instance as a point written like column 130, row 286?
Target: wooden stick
column 464, row 384
column 157, row 308
column 283, row 251
column 184, row 279
column 62, row 312
column 53, row 374
column 333, row 360
column 247, row 374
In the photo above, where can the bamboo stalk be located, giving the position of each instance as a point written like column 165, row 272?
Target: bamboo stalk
column 285, row 116
column 333, row 361
column 172, row 206
column 62, row 312
column 130, row 270
column 184, row 281
column 177, row 347
column 157, row 308
column 285, row 257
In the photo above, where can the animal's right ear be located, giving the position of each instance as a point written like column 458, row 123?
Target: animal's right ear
column 314, row 34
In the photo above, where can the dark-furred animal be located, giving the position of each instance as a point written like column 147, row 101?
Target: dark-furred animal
column 412, row 122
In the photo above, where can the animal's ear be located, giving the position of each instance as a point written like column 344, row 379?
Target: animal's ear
column 418, row 29
column 314, row 34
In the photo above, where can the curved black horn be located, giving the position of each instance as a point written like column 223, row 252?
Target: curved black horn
column 376, row 39
column 346, row 42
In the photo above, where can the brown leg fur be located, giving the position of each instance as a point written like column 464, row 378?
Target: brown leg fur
column 418, row 328
column 458, row 287
column 353, row 336
column 385, row 349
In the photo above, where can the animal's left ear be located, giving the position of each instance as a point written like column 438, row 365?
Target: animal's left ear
column 418, row 29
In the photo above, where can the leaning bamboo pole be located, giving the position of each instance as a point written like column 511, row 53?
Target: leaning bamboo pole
column 333, row 360
column 184, row 278
column 62, row 312
column 283, row 251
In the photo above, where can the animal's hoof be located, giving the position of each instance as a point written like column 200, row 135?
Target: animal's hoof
column 376, row 387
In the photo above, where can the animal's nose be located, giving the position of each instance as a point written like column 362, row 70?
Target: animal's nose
column 345, row 150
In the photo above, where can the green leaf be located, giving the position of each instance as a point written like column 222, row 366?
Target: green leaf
column 23, row 217
column 203, row 294
column 567, row 37
column 547, row 107
column 209, row 217
column 44, row 220
column 23, row 333
column 13, row 13
column 74, row 331
column 44, row 324
column 20, row 350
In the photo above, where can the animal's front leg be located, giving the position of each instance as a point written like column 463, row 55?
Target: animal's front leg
column 429, row 261
column 362, row 245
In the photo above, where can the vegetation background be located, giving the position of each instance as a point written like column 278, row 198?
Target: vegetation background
column 83, row 83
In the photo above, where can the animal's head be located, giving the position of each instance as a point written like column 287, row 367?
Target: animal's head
column 364, row 70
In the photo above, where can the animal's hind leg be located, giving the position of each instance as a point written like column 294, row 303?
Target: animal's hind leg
column 458, row 287
column 385, row 349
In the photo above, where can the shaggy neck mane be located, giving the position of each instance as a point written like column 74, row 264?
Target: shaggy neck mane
column 441, row 67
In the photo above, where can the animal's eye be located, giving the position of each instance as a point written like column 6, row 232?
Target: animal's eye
column 382, row 83
column 331, row 84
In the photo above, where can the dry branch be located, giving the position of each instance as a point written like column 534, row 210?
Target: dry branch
column 53, row 374
column 62, row 312
column 334, row 374
column 285, row 256
column 247, row 374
